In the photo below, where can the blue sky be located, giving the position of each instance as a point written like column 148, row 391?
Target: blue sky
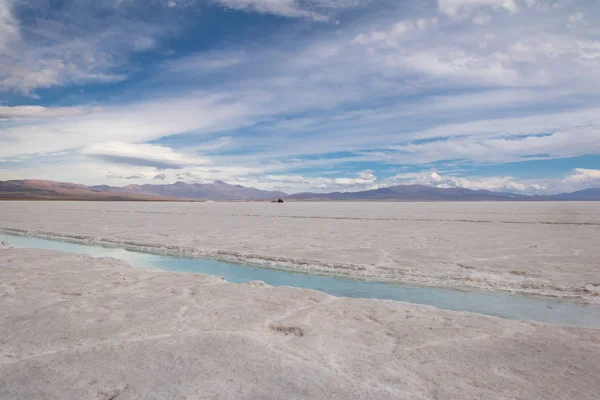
column 300, row 95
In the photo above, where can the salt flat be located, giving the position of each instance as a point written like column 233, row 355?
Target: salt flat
column 75, row 327
column 540, row 248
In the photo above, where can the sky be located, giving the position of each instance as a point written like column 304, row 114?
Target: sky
column 302, row 95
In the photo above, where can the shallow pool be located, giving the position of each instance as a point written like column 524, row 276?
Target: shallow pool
column 505, row 305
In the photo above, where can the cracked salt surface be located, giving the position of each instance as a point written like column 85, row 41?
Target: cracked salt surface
column 498, row 304
column 77, row 327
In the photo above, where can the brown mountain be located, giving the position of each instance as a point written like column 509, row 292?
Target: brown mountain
column 218, row 190
column 33, row 189
column 591, row 194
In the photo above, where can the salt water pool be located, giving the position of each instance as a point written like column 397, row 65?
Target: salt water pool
column 504, row 305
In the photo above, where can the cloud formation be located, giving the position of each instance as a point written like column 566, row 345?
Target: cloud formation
column 286, row 8
column 40, row 112
column 582, row 178
column 160, row 157
column 50, row 44
column 307, row 95
column 494, row 183
column 318, row 10
column 9, row 28
column 454, row 7
column 364, row 180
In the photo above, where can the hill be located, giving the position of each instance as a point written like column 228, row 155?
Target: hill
column 410, row 193
column 218, row 190
column 32, row 189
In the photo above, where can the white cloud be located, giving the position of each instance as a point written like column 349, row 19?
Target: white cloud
column 87, row 41
column 40, row 112
column 486, row 141
column 582, row 174
column 364, row 180
column 495, row 150
column 318, row 10
column 139, row 122
column 482, row 19
column 26, row 67
column 206, row 62
column 295, row 179
column 582, row 178
column 516, row 126
column 160, row 157
column 113, row 175
column 531, row 49
column 285, row 8
column 213, row 145
column 454, row 7
column 143, row 43
column 578, row 179
column 9, row 27
column 494, row 183
column 575, row 19
column 464, row 67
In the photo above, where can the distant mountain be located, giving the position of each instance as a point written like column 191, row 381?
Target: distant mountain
column 180, row 191
column 410, row 193
column 218, row 190
column 32, row 189
column 591, row 194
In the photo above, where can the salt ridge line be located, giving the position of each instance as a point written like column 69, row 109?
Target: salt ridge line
column 349, row 271
column 480, row 302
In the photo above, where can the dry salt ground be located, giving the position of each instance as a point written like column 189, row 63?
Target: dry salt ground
column 548, row 248
column 76, row 327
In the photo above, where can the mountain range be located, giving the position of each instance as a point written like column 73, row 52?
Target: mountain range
column 34, row 189
column 431, row 193
column 220, row 191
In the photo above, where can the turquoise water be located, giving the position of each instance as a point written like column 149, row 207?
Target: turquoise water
column 504, row 305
